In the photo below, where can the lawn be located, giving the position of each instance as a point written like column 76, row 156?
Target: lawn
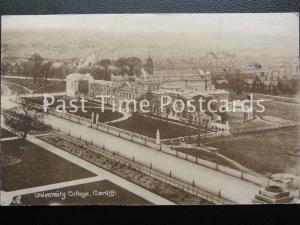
column 148, row 127
column 263, row 152
column 37, row 167
column 119, row 196
column 106, row 116
column 285, row 110
column 39, row 87
column 6, row 133
column 206, row 156
column 90, row 107
column 13, row 88
column 288, row 111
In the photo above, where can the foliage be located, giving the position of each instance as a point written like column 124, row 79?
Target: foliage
column 152, row 99
column 36, row 64
column 23, row 119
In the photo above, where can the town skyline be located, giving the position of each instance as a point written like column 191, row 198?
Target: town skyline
column 254, row 35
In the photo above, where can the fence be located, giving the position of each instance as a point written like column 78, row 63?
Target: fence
column 256, row 128
column 193, row 138
column 32, row 95
column 149, row 169
column 211, row 132
column 139, row 139
column 151, row 143
column 278, row 98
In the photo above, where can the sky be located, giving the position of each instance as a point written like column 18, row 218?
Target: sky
column 278, row 24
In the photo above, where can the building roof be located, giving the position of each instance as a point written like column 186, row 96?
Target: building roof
column 103, row 82
column 190, row 93
column 179, row 73
column 222, row 81
column 79, row 76
column 57, row 64
column 267, row 82
column 249, row 81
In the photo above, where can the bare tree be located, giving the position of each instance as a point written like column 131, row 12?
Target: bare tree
column 26, row 117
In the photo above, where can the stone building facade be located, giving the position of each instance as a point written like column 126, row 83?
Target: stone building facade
column 191, row 85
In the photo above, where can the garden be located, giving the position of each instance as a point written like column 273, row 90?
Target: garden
column 36, row 167
column 264, row 152
column 148, row 126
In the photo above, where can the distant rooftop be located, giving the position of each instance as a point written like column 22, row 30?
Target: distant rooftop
column 179, row 73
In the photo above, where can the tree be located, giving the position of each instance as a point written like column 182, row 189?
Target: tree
column 24, row 118
column 4, row 68
column 26, row 69
column 130, row 65
column 151, row 98
column 105, row 63
column 36, row 63
column 294, row 86
column 135, row 64
column 48, row 71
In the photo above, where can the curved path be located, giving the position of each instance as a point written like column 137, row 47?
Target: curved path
column 27, row 90
column 5, row 91
column 125, row 116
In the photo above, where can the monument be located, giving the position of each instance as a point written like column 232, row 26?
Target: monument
column 92, row 117
column 157, row 137
column 273, row 194
column 97, row 118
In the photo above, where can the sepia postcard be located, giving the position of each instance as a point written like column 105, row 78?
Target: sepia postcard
column 150, row 109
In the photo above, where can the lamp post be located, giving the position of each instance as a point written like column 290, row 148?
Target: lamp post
column 269, row 178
